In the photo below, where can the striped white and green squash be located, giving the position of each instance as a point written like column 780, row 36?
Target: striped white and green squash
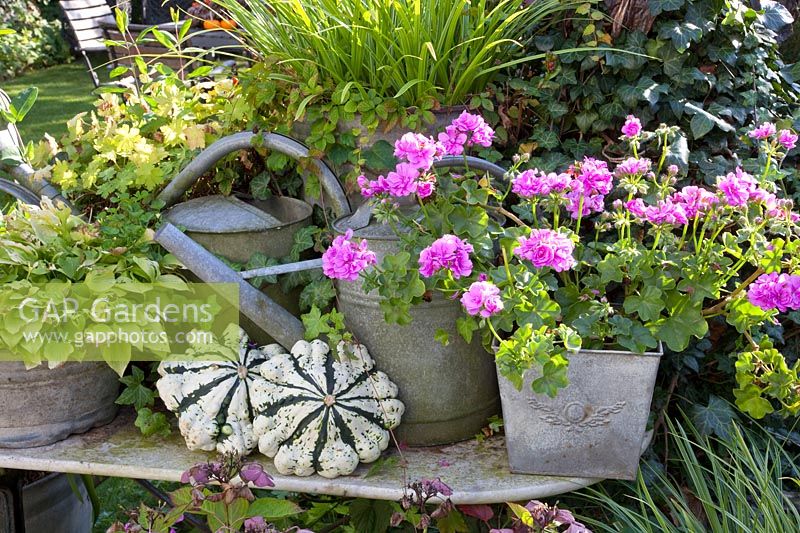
column 212, row 398
column 317, row 413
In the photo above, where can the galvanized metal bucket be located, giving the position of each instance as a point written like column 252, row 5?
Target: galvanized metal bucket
column 449, row 391
column 593, row 428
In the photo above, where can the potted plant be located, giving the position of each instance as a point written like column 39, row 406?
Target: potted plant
column 575, row 279
column 349, row 78
column 51, row 260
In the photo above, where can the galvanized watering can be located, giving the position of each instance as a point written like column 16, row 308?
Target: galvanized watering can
column 236, row 229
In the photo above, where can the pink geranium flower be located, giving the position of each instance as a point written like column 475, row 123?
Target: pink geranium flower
column 476, row 129
column 737, row 187
column 482, row 298
column 764, row 131
column 787, row 139
column 417, row 149
column 775, row 291
column 694, row 200
column 449, row 253
column 632, row 127
column 633, row 167
column 534, row 182
column 345, row 259
column 547, row 248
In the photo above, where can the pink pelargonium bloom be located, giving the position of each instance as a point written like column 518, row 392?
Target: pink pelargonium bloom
column 417, row 149
column 666, row 212
column 453, row 140
column 448, row 252
column 401, row 182
column 474, row 127
column 787, row 139
column 764, row 131
column 592, row 177
column 578, row 203
column 345, row 259
column 633, row 167
column 695, row 200
column 534, row 182
column 482, row 298
column 636, row 207
column 426, row 185
column 775, row 291
column 737, row 187
column 632, row 127
column 547, row 248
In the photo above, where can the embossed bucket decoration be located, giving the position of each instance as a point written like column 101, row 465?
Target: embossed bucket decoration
column 594, row 427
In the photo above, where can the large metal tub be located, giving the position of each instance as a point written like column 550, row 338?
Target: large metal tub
column 42, row 405
column 593, row 428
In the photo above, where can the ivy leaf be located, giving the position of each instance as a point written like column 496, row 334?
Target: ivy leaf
column 681, row 34
column 442, row 336
column 314, row 323
column 706, row 122
column 716, row 417
column 585, row 120
column 318, row 293
column 648, row 305
column 259, row 186
column 775, row 17
column 678, row 153
column 659, row 6
column 380, row 156
column 303, row 240
column 136, row 393
column 150, row 423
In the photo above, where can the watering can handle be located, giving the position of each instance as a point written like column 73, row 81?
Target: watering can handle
column 27, row 188
column 333, row 194
column 363, row 215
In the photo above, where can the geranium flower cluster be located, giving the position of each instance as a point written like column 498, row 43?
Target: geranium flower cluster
column 532, row 183
column 775, row 291
column 767, row 130
column 345, row 259
column 417, row 153
column 446, row 253
column 547, row 248
column 482, row 298
column 736, row 189
column 585, row 185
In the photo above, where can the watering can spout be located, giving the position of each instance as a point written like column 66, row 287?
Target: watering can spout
column 273, row 319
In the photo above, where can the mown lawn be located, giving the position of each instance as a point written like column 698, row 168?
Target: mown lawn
column 64, row 91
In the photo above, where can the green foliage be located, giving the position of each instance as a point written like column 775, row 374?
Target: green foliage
column 415, row 52
column 711, row 67
column 717, row 485
column 36, row 41
column 138, row 140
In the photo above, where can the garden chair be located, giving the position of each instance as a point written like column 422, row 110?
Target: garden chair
column 93, row 23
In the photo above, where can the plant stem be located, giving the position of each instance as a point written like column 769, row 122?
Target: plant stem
column 720, row 305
